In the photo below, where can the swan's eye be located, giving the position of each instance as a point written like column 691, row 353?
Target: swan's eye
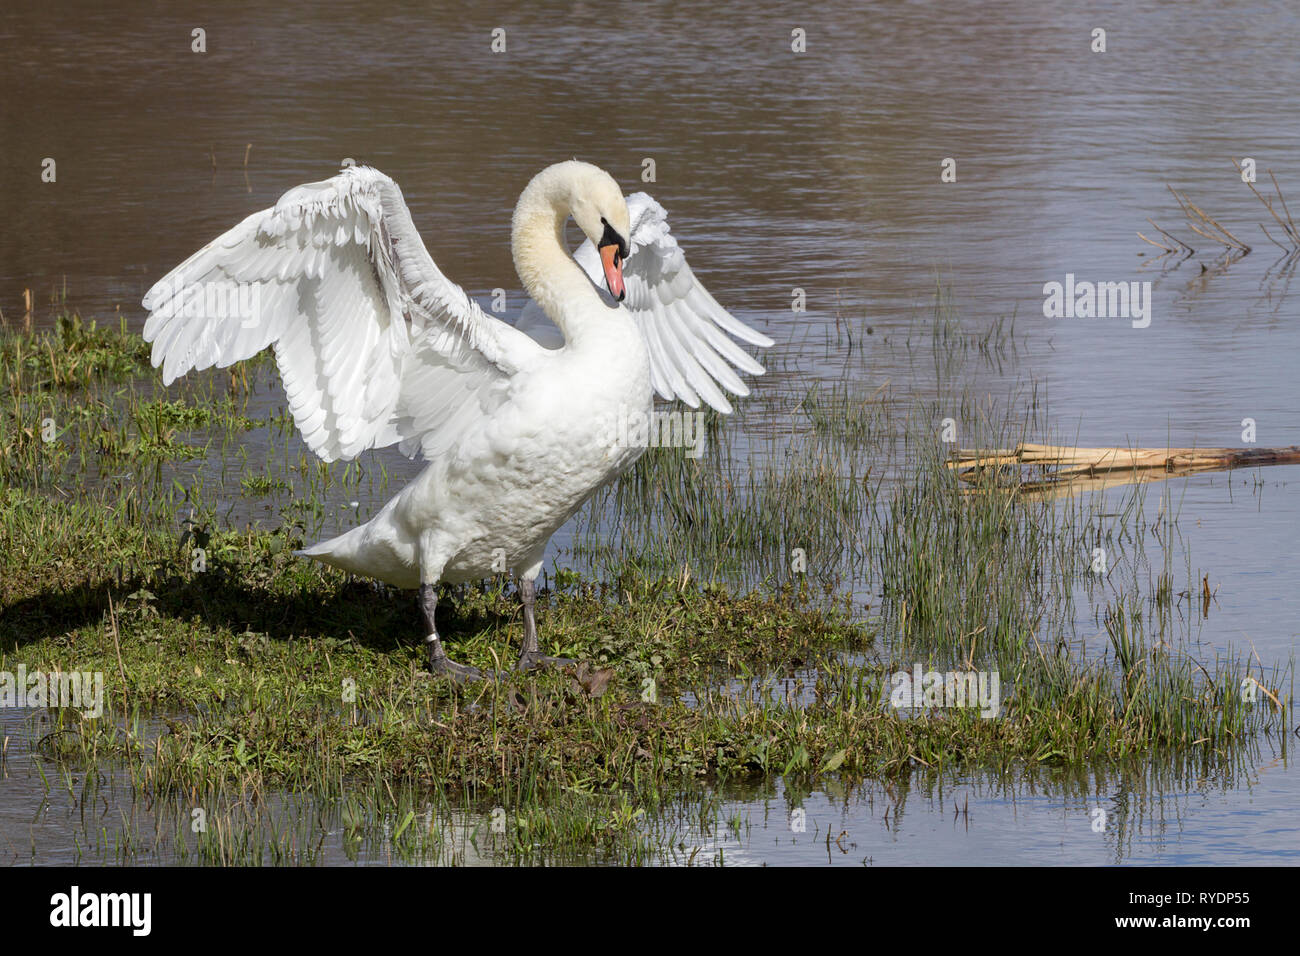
column 611, row 238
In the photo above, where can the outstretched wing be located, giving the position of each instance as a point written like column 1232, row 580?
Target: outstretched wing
column 681, row 322
column 336, row 279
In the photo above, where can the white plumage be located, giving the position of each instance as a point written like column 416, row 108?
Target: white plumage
column 680, row 321
column 377, row 347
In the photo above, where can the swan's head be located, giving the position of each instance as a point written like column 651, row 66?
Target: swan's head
column 592, row 198
column 598, row 207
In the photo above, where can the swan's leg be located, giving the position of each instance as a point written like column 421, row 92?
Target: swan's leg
column 528, row 596
column 531, row 656
column 433, row 554
column 439, row 662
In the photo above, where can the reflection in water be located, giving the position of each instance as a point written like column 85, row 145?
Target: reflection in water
column 1164, row 811
column 1158, row 812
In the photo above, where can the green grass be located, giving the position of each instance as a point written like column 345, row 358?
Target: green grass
column 831, row 555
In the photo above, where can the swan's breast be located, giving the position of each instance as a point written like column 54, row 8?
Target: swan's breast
column 511, row 483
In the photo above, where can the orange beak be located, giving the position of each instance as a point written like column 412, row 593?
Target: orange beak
column 613, row 263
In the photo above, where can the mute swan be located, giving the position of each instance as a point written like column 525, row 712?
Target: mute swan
column 376, row 347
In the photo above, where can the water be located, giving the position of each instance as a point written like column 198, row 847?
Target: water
column 981, row 821
column 1153, row 813
column 818, row 171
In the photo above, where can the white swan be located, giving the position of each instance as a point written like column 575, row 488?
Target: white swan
column 377, row 347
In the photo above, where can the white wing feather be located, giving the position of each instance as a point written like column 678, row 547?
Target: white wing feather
column 681, row 322
column 374, row 344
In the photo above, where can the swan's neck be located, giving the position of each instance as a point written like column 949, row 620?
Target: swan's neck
column 548, row 272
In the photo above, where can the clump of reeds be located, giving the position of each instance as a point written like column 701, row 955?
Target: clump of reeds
column 1207, row 227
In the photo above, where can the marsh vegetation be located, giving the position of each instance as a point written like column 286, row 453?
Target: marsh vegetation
column 738, row 617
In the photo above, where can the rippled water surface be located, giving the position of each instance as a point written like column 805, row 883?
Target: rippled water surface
column 818, row 171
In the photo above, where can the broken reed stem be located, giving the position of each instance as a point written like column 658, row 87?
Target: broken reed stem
column 1193, row 211
column 1282, row 200
column 1199, row 232
column 1287, row 227
column 1158, row 245
column 1190, row 250
column 1289, row 250
column 1206, row 226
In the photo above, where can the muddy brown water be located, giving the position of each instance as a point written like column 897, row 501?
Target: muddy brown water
column 819, row 171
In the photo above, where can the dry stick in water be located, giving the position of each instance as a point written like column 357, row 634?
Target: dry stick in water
column 1190, row 250
column 1158, row 245
column 1287, row 249
column 1282, row 200
column 1205, row 225
column 1068, row 464
column 1287, row 227
column 1192, row 211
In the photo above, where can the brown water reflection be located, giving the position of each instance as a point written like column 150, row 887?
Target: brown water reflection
column 818, row 171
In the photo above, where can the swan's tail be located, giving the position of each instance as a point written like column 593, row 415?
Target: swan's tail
column 363, row 552
column 338, row 551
